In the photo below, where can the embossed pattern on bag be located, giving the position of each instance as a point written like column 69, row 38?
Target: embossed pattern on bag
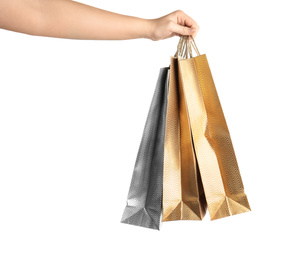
column 218, row 166
column 186, row 162
column 183, row 197
column 144, row 201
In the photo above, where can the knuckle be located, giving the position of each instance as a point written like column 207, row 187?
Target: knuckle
column 184, row 30
column 178, row 12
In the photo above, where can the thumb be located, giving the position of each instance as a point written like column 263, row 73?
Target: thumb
column 183, row 30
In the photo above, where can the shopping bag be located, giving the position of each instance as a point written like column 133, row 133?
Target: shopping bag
column 219, row 171
column 144, row 201
column 183, row 196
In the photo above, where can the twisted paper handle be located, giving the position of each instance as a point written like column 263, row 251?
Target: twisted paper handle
column 184, row 49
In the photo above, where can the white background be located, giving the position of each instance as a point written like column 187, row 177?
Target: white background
column 71, row 118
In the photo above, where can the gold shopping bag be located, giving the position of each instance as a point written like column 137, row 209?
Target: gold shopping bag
column 183, row 197
column 220, row 175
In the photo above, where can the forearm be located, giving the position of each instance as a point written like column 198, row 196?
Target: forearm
column 70, row 19
column 74, row 20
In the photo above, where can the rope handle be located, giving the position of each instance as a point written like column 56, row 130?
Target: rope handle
column 184, row 47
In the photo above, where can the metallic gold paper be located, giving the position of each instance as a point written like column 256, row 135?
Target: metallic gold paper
column 144, row 201
column 183, row 197
column 186, row 153
column 218, row 166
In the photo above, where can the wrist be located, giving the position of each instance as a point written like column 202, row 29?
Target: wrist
column 148, row 30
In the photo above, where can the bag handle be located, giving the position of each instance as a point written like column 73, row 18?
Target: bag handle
column 184, row 47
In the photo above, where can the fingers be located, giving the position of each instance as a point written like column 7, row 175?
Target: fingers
column 176, row 23
column 185, row 24
column 183, row 30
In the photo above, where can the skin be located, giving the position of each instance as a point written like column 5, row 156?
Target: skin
column 73, row 20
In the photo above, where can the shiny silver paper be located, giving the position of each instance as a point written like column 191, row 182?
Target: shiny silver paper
column 144, row 201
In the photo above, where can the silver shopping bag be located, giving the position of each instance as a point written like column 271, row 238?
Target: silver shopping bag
column 144, row 201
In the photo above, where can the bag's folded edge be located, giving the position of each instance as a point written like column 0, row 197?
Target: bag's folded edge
column 231, row 205
column 139, row 217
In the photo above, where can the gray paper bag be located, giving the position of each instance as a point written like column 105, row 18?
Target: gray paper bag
column 144, row 201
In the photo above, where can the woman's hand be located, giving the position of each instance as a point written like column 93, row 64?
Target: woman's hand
column 176, row 23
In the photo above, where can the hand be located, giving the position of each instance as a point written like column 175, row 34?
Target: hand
column 174, row 24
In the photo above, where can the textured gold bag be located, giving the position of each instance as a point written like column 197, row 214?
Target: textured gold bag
column 183, row 197
column 213, row 147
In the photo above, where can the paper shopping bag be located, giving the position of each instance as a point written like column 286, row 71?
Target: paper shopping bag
column 223, row 187
column 183, row 197
column 144, row 201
